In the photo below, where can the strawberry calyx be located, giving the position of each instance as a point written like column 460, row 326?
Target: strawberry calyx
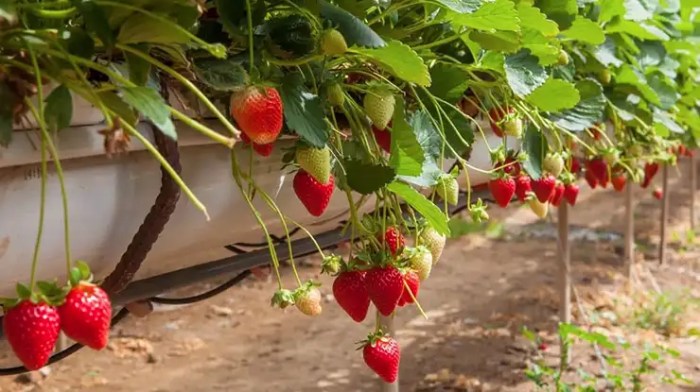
column 282, row 298
column 373, row 338
column 304, row 289
column 477, row 211
column 333, row 265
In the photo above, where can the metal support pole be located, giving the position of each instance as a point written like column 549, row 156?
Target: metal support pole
column 564, row 277
column 629, row 230
column 387, row 323
column 664, row 217
column 693, row 187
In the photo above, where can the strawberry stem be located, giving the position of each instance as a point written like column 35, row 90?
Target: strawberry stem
column 39, row 116
column 236, row 173
column 415, row 300
column 168, row 168
column 251, row 53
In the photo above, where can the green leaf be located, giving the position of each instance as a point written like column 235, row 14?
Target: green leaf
column 139, row 28
column 354, row 30
column 587, row 112
column 407, row 156
column 400, row 60
column 535, row 146
column 462, row 6
column 493, row 16
column 449, row 81
column 8, row 99
column 636, row 11
column 430, row 143
column 610, row 9
column 432, row 213
column 606, row 54
column 501, row 41
column 117, row 105
column 220, row 74
column 149, row 103
column 303, row 111
column 59, row 108
column 585, row 30
column 96, row 22
column 664, row 89
column 366, row 178
column 561, row 11
column 664, row 124
column 636, row 29
column 78, row 43
column 139, row 69
column 524, row 73
column 532, row 18
column 554, row 95
column 628, row 75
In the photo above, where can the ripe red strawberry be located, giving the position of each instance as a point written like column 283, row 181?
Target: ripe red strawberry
column 502, row 189
column 599, row 168
column 557, row 195
column 496, row 116
column 618, row 181
column 312, row 194
column 571, row 193
column 575, row 165
column 658, row 193
column 394, row 240
column 544, row 187
column 259, row 113
column 264, row 150
column 32, row 330
column 86, row 315
column 385, row 287
column 468, row 105
column 383, row 138
column 650, row 170
column 383, row 355
column 523, row 186
column 413, row 282
column 511, row 166
column 351, row 294
column 591, row 180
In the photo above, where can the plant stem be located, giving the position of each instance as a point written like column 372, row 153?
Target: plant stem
column 251, row 40
column 164, row 163
column 185, row 82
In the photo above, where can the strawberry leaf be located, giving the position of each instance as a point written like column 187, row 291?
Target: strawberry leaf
column 148, row 102
column 431, row 212
column 407, row 156
column 366, row 178
column 221, row 74
column 492, row 16
column 59, row 108
column 554, row 95
column 587, row 112
column 535, row 146
column 303, row 111
column 354, row 30
column 400, row 60
column 524, row 73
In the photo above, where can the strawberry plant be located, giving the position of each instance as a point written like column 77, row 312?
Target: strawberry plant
column 377, row 104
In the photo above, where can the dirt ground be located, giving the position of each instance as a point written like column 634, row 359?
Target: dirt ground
column 487, row 286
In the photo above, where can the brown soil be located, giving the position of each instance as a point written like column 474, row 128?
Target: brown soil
column 485, row 289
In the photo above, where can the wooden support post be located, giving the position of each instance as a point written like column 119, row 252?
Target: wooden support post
column 564, row 277
column 693, row 187
column 387, row 323
column 664, row 216
column 629, row 230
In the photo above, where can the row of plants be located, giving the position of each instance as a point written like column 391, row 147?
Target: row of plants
column 382, row 99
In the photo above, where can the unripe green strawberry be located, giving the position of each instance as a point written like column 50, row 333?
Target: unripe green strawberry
column 448, row 189
column 421, row 261
column 513, row 127
column 554, row 164
column 316, row 162
column 379, row 107
column 335, row 94
column 333, row 43
column 605, row 76
column 563, row 58
column 434, row 241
